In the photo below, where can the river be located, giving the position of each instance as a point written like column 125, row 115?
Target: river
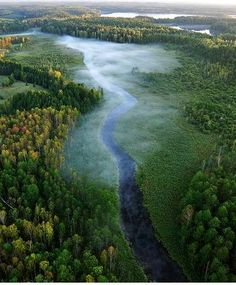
column 109, row 64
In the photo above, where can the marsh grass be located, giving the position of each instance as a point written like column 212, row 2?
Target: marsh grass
column 168, row 152
column 84, row 150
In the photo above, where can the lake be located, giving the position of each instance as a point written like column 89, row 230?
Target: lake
column 155, row 16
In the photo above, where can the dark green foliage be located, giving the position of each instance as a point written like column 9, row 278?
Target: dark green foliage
column 53, row 229
column 44, row 232
column 208, row 232
column 119, row 30
column 61, row 91
column 12, row 26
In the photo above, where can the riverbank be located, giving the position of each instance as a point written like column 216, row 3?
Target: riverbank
column 154, row 128
column 155, row 260
column 174, row 152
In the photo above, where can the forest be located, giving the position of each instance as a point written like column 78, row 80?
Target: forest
column 53, row 228
column 43, row 237
column 208, row 207
column 217, row 25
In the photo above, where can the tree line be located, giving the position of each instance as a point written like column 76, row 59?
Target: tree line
column 60, row 91
column 143, row 32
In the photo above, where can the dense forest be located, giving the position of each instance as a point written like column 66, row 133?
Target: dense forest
column 142, row 32
column 45, row 239
column 61, row 92
column 52, row 229
column 208, row 228
column 208, row 207
column 117, row 30
column 36, row 10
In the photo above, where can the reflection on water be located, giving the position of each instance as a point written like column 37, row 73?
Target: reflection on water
column 155, row 16
column 203, row 31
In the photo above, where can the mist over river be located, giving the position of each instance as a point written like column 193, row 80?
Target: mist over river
column 93, row 150
column 110, row 65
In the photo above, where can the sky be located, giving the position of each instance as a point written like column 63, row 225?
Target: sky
column 213, row 2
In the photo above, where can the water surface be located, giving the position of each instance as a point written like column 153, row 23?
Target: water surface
column 153, row 15
column 109, row 64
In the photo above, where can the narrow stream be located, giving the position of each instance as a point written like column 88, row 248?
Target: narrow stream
column 134, row 217
column 135, row 221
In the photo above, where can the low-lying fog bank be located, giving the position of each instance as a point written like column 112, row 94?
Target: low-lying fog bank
column 111, row 66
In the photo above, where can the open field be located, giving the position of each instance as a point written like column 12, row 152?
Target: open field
column 17, row 87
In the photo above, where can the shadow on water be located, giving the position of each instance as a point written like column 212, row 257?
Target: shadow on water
column 135, row 220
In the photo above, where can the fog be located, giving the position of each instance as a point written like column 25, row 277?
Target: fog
column 110, row 66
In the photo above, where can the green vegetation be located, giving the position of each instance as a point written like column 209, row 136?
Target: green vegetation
column 8, row 85
column 11, row 43
column 61, row 91
column 12, row 26
column 119, row 30
column 188, row 182
column 224, row 26
column 44, row 52
column 210, row 79
column 17, row 87
column 206, row 92
column 165, row 146
column 208, row 227
column 35, row 10
column 53, row 229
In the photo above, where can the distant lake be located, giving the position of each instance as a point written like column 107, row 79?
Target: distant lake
column 192, row 29
column 156, row 16
column 161, row 16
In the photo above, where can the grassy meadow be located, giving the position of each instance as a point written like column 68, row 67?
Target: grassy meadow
column 168, row 151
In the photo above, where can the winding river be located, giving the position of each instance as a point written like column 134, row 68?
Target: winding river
column 135, row 221
column 134, row 217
